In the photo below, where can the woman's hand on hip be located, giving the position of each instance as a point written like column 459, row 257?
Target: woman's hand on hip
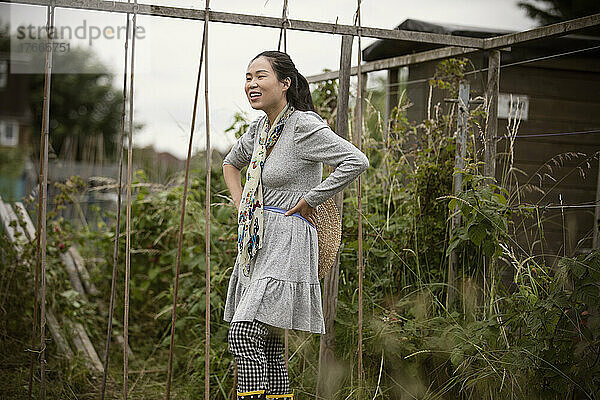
column 305, row 210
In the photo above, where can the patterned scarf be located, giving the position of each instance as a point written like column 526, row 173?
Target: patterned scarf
column 250, row 216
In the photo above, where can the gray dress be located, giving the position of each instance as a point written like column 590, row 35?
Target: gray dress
column 283, row 289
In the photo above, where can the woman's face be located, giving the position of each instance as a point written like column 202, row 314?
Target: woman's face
column 262, row 88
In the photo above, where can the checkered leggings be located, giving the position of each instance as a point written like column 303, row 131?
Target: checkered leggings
column 258, row 351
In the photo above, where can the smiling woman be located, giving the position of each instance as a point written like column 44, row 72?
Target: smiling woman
column 275, row 282
column 264, row 90
column 269, row 90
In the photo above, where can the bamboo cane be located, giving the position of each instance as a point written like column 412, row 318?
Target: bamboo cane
column 207, row 234
column 111, row 305
column 359, row 112
column 182, row 216
column 128, row 221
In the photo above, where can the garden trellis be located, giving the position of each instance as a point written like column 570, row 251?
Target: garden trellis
column 456, row 46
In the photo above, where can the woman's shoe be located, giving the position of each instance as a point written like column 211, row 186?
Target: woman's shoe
column 256, row 394
column 287, row 396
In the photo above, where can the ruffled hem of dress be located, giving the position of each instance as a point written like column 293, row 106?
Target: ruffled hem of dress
column 277, row 303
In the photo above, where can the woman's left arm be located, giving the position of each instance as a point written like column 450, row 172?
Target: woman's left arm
column 317, row 142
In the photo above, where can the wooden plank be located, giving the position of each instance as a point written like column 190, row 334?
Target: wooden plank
column 395, row 62
column 13, row 218
column 255, row 20
column 572, row 63
column 552, row 247
column 29, row 228
column 84, row 345
column 570, row 195
column 575, row 225
column 564, row 110
column 582, row 215
column 61, row 343
column 554, row 235
column 580, row 142
column 53, row 325
column 561, row 177
column 572, row 184
column 543, row 127
column 80, row 337
column 90, row 288
column 55, row 330
column 539, row 151
column 15, row 234
column 93, row 359
column 551, row 83
column 558, row 29
column 5, row 217
column 73, row 274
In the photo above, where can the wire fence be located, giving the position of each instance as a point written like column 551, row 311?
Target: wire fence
column 536, row 135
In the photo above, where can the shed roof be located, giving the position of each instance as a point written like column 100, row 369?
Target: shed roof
column 386, row 48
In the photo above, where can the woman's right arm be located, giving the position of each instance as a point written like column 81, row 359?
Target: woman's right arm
column 233, row 180
column 239, row 157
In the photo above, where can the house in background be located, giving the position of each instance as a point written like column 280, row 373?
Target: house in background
column 15, row 132
column 559, row 127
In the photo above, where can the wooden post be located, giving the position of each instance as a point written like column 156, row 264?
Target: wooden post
column 330, row 282
column 391, row 99
column 491, row 133
column 362, row 81
column 459, row 163
column 391, row 102
column 283, row 32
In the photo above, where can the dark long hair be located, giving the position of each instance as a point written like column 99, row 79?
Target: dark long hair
column 298, row 94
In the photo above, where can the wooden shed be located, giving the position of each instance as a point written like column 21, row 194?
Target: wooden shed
column 556, row 84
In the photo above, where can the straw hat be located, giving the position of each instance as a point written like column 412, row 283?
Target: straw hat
column 329, row 231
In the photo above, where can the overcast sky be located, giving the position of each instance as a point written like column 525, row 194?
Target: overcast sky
column 167, row 57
